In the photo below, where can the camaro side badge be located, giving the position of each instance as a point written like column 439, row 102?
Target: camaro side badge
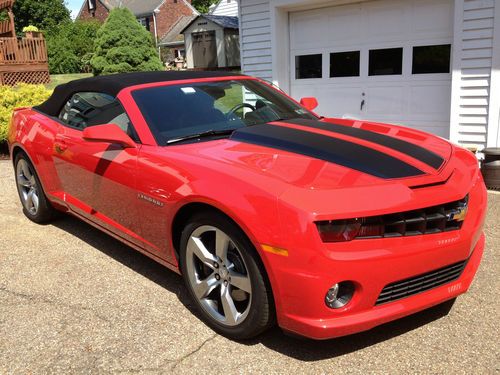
column 150, row 199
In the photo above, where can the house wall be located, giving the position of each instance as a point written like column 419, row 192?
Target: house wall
column 475, row 107
column 169, row 12
column 226, row 8
column 255, row 37
column 475, row 96
column 100, row 14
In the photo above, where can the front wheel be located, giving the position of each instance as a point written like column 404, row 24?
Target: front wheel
column 224, row 277
column 36, row 206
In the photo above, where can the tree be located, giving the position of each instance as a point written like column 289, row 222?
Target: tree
column 44, row 14
column 124, row 45
column 202, row 6
column 69, row 46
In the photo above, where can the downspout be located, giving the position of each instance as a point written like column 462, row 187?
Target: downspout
column 156, row 31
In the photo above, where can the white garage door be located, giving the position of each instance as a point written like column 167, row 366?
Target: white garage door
column 386, row 60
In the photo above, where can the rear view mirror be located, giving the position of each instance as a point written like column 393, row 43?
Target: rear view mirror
column 309, row 103
column 109, row 133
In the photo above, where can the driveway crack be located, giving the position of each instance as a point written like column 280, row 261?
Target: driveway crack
column 191, row 353
column 42, row 299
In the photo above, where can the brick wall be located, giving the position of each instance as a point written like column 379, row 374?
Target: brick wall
column 99, row 13
column 170, row 12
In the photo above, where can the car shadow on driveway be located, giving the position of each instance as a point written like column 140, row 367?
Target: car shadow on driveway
column 274, row 339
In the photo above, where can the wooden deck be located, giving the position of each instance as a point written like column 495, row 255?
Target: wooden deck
column 23, row 60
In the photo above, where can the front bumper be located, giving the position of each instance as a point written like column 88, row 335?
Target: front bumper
column 364, row 320
column 301, row 280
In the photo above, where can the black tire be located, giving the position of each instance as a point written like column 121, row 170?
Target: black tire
column 45, row 212
column 260, row 314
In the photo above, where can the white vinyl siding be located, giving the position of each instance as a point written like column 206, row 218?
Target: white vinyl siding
column 472, row 77
column 226, row 8
column 255, row 36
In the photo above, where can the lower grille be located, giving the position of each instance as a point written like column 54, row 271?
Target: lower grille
column 421, row 283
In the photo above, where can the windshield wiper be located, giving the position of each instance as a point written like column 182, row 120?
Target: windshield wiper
column 208, row 133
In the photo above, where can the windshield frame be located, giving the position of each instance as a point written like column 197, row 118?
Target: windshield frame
column 148, row 135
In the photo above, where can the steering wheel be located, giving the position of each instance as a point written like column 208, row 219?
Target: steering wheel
column 233, row 110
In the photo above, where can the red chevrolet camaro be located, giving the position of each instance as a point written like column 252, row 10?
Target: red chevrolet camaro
column 270, row 212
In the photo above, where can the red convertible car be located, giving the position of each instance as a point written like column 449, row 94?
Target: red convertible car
column 270, row 212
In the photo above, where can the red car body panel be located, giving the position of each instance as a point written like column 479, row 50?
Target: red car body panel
column 275, row 197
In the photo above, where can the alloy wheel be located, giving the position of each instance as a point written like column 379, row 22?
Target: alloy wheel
column 28, row 187
column 218, row 275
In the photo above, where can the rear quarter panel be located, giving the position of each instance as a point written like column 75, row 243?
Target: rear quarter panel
column 34, row 133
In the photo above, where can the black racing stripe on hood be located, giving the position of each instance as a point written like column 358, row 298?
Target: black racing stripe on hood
column 334, row 150
column 428, row 157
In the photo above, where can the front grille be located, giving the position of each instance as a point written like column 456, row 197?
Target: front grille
column 436, row 219
column 421, row 283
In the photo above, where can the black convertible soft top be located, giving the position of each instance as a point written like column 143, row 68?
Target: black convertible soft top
column 114, row 83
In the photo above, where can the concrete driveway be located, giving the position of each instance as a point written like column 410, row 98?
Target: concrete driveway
column 74, row 300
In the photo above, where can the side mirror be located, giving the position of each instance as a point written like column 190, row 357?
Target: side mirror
column 309, row 103
column 109, row 133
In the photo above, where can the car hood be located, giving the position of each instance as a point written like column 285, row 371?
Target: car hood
column 302, row 158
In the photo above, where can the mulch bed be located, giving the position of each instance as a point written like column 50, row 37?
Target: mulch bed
column 4, row 151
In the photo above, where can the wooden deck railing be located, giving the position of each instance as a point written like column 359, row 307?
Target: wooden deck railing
column 6, row 4
column 22, row 51
column 5, row 27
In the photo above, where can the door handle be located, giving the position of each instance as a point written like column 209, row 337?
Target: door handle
column 362, row 105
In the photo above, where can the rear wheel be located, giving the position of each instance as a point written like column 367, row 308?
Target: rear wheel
column 224, row 276
column 36, row 207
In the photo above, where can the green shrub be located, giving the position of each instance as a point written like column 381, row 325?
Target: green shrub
column 123, row 45
column 70, row 45
column 22, row 95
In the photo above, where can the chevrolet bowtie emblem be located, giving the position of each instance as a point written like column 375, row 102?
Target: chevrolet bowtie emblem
column 459, row 214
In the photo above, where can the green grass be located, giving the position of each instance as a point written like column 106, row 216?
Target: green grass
column 57, row 79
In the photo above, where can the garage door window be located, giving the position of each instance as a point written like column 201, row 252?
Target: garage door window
column 308, row 66
column 344, row 64
column 388, row 61
column 431, row 59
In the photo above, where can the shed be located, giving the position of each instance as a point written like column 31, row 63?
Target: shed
column 212, row 42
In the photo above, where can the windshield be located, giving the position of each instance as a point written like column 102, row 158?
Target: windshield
column 177, row 111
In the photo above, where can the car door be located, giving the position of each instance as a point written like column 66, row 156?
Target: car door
column 98, row 178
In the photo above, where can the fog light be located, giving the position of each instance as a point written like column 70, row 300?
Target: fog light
column 339, row 295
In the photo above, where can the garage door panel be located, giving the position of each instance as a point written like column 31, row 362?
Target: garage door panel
column 343, row 27
column 310, row 31
column 430, row 107
column 378, row 14
column 340, row 102
column 333, row 102
column 432, row 18
column 417, row 97
column 385, row 101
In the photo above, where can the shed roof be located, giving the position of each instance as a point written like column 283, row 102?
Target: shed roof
column 174, row 36
column 227, row 22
